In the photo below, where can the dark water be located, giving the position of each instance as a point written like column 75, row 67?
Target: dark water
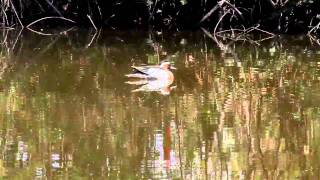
column 251, row 111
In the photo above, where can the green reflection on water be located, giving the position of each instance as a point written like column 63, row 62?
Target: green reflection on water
column 251, row 112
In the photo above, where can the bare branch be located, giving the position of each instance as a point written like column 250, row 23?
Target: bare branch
column 209, row 13
column 15, row 12
column 94, row 26
column 58, row 12
column 50, row 17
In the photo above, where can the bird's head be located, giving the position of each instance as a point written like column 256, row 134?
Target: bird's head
column 166, row 65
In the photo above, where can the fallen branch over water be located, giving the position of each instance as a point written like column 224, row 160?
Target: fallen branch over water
column 44, row 18
column 50, row 17
column 233, row 35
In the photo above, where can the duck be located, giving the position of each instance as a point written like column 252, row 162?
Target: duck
column 155, row 78
column 153, row 72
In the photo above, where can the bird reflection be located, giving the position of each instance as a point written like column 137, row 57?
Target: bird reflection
column 163, row 88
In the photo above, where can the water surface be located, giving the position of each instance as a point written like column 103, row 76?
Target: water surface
column 249, row 112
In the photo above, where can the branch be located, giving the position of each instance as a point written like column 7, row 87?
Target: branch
column 50, row 17
column 15, row 12
column 94, row 26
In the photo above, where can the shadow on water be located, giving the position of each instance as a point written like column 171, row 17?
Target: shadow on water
column 66, row 111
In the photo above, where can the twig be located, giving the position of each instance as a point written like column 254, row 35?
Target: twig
column 94, row 26
column 247, row 31
column 215, row 28
column 50, row 17
column 234, row 8
column 5, row 17
column 154, row 7
column 15, row 12
column 238, row 38
column 209, row 13
column 39, row 4
column 267, row 32
column 314, row 28
column 54, row 8
column 227, row 30
column 221, row 45
column 207, row 33
column 260, row 40
column 96, row 2
column 106, row 21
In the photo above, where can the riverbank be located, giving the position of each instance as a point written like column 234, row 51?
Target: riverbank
column 273, row 16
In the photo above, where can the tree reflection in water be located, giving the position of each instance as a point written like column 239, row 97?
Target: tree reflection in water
column 67, row 112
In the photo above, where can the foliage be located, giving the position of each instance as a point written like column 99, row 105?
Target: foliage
column 281, row 16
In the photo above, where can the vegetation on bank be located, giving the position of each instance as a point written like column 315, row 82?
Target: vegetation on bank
column 277, row 16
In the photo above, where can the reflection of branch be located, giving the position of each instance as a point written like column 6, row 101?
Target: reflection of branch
column 40, row 33
column 312, row 31
column 263, row 39
column 179, row 142
column 257, row 135
column 6, row 32
column 267, row 32
column 314, row 39
column 15, row 42
column 3, row 66
column 47, row 47
column 94, row 36
column 50, row 34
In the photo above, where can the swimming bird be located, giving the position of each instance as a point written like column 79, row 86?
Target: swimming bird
column 161, row 71
column 153, row 78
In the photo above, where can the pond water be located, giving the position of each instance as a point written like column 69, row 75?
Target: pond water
column 250, row 111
